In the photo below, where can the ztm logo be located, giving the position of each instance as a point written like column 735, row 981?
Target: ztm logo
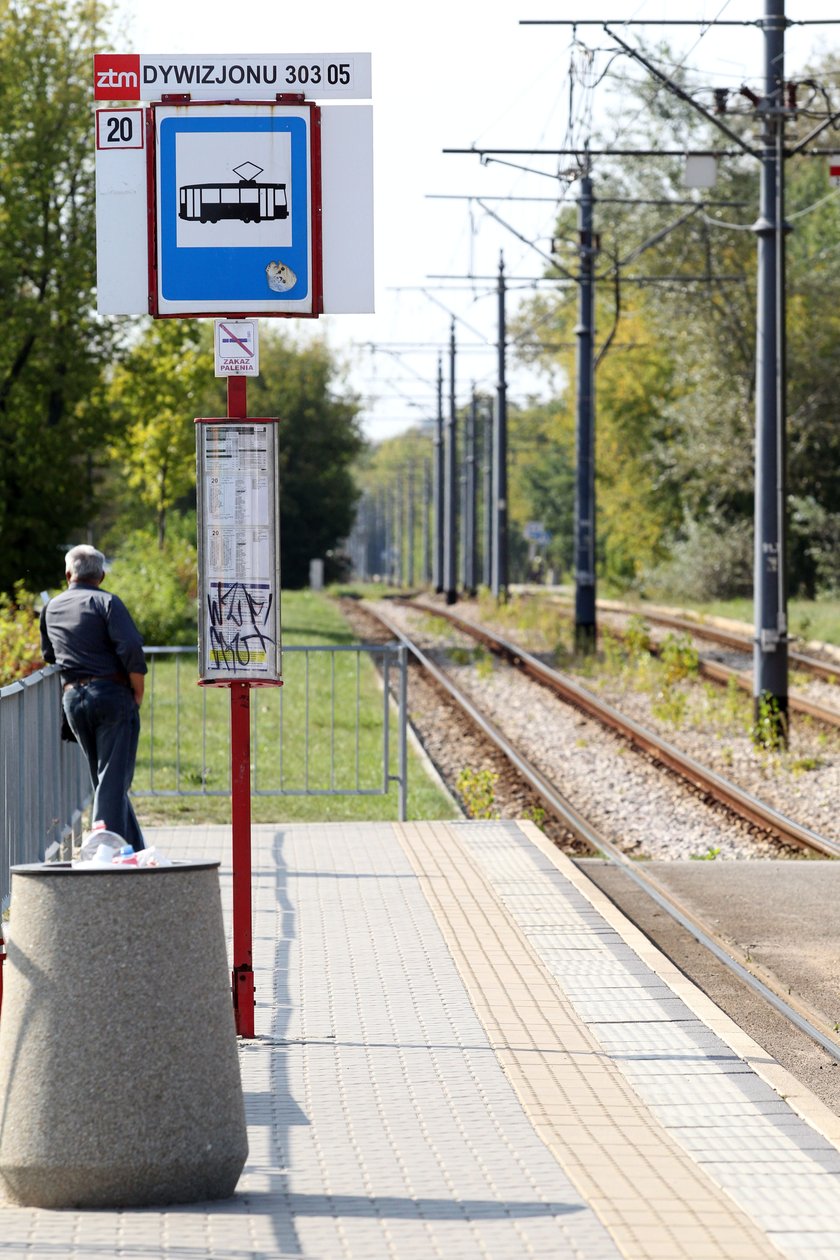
column 116, row 77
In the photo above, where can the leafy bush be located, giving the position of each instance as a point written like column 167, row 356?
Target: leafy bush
column 20, row 641
column 158, row 586
column 478, row 791
column 713, row 561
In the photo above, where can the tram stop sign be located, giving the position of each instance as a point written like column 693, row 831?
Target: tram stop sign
column 238, row 209
column 234, row 208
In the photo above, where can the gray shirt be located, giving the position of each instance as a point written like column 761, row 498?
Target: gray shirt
column 89, row 633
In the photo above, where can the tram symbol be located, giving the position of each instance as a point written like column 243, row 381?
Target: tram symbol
column 247, row 201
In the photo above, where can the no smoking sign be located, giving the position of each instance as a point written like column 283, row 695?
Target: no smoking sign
column 237, row 347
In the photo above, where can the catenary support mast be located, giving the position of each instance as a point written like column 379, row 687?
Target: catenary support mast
column 585, row 619
column 770, row 666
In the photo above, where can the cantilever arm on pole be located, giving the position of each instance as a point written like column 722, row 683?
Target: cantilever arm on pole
column 655, row 239
column 812, row 135
column 524, row 239
column 683, row 96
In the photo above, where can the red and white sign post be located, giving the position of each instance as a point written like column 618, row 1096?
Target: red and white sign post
column 232, row 194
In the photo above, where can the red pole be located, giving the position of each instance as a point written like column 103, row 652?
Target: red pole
column 240, row 795
column 240, row 763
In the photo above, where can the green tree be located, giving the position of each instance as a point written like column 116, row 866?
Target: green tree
column 155, row 394
column 675, row 395
column 319, row 439
column 52, row 347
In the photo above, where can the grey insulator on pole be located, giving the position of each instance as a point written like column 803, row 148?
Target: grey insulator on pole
column 770, row 660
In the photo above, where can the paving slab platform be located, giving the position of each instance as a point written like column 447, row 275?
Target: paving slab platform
column 464, row 1050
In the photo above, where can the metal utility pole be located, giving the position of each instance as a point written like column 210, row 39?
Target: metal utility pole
column 439, row 479
column 770, row 662
column 487, row 483
column 499, row 580
column 585, row 618
column 470, row 486
column 410, row 524
column 385, row 536
column 450, row 506
column 426, row 523
column 399, row 513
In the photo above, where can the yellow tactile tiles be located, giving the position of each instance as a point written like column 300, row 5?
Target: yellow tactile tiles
column 655, row 1201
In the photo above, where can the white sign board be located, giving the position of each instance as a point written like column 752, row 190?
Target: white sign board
column 238, row 76
column 189, row 248
column 122, row 213
column 237, row 345
column 238, row 551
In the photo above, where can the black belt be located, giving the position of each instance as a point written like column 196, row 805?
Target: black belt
column 82, row 682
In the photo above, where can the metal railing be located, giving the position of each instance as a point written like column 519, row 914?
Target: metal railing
column 44, row 782
column 314, row 736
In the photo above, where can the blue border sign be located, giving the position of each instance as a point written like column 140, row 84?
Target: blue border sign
column 260, row 274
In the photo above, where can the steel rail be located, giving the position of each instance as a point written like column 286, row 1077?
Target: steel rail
column 798, row 1014
column 797, row 704
column 727, row 638
column 706, row 780
column 721, row 673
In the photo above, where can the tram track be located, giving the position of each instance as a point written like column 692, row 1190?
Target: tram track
column 741, row 802
column 763, row 984
column 717, row 671
column 804, row 661
column 810, row 1023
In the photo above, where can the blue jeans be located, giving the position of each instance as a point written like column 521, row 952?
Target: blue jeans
column 105, row 719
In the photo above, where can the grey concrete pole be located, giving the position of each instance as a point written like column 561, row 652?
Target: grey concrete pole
column 585, row 619
column 450, row 506
column 770, row 653
column 399, row 531
column 499, row 580
column 411, row 525
column 385, row 536
column 470, row 515
column 439, row 480
column 426, row 522
column 487, row 482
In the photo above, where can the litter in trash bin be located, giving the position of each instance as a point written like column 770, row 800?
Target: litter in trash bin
column 152, row 857
column 96, row 838
column 124, row 858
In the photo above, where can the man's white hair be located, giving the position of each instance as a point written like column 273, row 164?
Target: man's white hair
column 84, row 563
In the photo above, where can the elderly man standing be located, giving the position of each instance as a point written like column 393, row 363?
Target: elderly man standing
column 89, row 634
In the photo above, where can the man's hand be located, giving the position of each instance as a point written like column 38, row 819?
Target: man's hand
column 138, row 686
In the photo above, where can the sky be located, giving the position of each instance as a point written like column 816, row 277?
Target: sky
column 451, row 75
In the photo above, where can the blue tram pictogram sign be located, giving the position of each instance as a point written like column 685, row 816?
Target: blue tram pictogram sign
column 235, row 210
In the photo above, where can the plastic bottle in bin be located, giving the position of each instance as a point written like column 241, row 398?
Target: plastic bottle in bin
column 98, row 837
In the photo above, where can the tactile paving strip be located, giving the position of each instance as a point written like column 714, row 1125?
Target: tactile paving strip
column 717, row 1111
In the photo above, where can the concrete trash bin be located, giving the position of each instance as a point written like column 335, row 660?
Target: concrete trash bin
column 119, row 1069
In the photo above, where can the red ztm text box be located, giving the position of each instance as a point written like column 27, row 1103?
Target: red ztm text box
column 116, row 77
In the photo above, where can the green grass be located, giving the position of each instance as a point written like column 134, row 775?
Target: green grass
column 319, row 704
